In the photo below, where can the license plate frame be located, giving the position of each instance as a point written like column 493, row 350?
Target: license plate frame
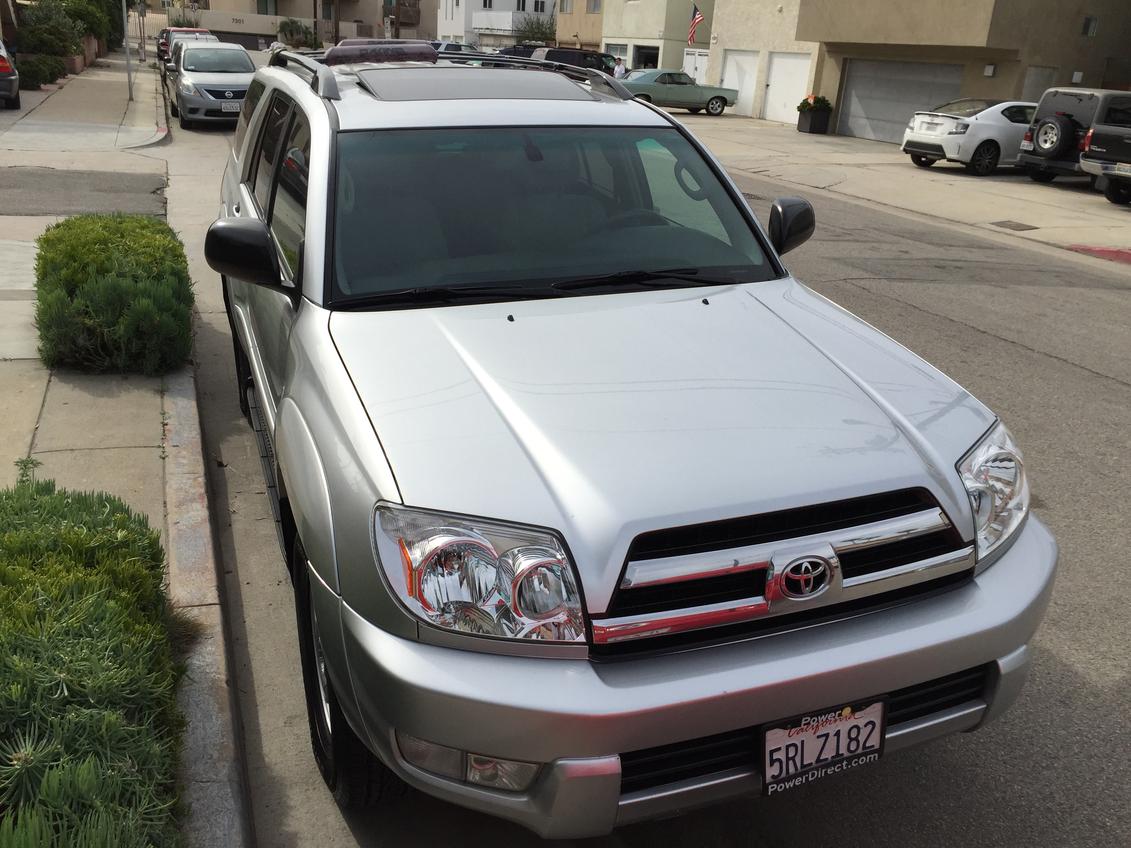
column 776, row 735
column 231, row 106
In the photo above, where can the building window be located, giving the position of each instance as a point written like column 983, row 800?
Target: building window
column 566, row 7
column 1091, row 24
column 520, row 5
column 619, row 50
column 488, row 3
column 540, row 6
column 592, row 7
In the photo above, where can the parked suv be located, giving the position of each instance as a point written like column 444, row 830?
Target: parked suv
column 1107, row 148
column 1055, row 138
column 592, row 511
column 604, row 62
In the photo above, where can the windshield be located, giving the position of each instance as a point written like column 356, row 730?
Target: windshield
column 217, row 61
column 965, row 108
column 447, row 207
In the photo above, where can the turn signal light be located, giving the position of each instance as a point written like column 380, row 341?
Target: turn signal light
column 5, row 65
column 1028, row 135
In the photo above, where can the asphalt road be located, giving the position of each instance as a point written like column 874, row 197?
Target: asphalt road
column 1041, row 336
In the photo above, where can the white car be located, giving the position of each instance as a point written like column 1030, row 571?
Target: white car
column 980, row 134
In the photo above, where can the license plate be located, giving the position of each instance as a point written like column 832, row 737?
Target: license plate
column 808, row 747
column 1026, row 145
column 928, row 126
column 1122, row 168
column 230, row 107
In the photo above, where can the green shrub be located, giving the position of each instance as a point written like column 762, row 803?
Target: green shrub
column 48, row 29
column 113, row 294
column 294, row 33
column 90, row 16
column 89, row 728
column 37, row 70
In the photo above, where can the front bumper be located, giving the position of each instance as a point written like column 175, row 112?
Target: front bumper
column 947, row 147
column 200, row 107
column 576, row 716
column 1111, row 170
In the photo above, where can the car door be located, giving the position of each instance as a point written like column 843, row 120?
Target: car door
column 283, row 144
column 688, row 91
column 666, row 92
column 1017, row 119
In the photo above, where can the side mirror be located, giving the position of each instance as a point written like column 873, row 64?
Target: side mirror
column 791, row 223
column 242, row 248
column 170, row 67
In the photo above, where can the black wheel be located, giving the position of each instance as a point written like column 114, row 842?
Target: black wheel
column 695, row 110
column 173, row 108
column 715, row 106
column 1041, row 176
column 985, row 159
column 243, row 366
column 184, row 122
column 351, row 772
column 644, row 97
column 923, row 161
column 13, row 102
column 1118, row 192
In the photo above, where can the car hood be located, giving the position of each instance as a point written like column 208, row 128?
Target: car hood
column 236, row 82
column 606, row 416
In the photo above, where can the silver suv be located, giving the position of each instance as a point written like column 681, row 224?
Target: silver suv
column 593, row 513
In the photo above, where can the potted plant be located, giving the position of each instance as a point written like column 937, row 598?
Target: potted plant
column 813, row 114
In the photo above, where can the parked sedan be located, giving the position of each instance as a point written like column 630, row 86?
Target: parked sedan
column 209, row 81
column 9, row 80
column 980, row 134
column 675, row 88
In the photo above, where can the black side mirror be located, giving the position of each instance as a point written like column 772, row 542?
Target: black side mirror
column 170, row 67
column 242, row 248
column 791, row 223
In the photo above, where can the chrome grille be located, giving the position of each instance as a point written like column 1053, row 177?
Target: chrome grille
column 727, row 573
column 222, row 93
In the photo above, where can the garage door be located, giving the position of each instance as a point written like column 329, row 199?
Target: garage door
column 879, row 98
column 787, row 81
column 740, row 70
column 695, row 65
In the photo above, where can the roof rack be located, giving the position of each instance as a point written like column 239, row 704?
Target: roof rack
column 596, row 79
column 322, row 80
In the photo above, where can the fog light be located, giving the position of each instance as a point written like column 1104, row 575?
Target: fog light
column 500, row 774
column 433, row 758
column 492, row 772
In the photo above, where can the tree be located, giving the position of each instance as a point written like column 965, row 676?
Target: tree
column 541, row 28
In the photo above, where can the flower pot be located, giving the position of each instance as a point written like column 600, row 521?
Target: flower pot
column 813, row 121
column 89, row 49
column 102, row 50
column 73, row 64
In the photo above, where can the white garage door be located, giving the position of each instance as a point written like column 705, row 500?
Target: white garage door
column 740, row 70
column 787, row 79
column 879, row 98
column 695, row 65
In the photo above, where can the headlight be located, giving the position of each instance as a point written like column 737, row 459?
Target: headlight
column 994, row 476
column 480, row 577
column 959, row 129
column 186, row 87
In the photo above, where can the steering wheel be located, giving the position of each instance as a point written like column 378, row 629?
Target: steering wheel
column 635, row 218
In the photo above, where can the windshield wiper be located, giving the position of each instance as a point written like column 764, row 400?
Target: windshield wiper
column 660, row 279
column 444, row 294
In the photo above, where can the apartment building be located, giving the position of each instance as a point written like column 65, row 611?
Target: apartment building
column 487, row 23
column 879, row 61
column 653, row 33
column 579, row 23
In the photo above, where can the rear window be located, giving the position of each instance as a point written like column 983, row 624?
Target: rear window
column 965, row 108
column 549, row 203
column 1080, row 106
column 1118, row 113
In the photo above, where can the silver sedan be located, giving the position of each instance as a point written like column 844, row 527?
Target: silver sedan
column 209, row 81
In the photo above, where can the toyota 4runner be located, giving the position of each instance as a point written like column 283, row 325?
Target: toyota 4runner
column 593, row 513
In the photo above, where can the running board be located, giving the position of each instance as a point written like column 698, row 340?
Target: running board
column 267, row 458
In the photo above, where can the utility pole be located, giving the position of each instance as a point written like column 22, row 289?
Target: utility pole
column 337, row 20
column 126, row 43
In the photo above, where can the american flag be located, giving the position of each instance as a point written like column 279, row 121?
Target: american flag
column 696, row 19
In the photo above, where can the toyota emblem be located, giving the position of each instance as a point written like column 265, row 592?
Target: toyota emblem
column 806, row 577
column 228, row 94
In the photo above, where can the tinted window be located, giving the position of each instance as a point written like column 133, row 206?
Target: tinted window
column 254, row 92
column 274, row 123
column 288, row 212
column 965, row 108
column 1019, row 114
column 565, row 202
column 1118, row 112
column 1078, row 105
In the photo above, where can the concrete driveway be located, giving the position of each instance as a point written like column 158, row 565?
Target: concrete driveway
column 1040, row 334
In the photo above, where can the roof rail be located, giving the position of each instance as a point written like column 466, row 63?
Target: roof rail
column 595, row 78
column 322, row 79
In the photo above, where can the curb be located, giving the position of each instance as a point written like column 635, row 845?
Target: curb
column 211, row 773
column 161, row 124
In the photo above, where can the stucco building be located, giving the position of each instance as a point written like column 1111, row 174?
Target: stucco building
column 653, row 33
column 488, row 23
column 579, row 23
column 879, row 61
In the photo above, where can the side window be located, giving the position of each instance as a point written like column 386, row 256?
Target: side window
column 288, row 212
column 1118, row 112
column 254, row 92
column 664, row 79
column 1018, row 114
column 270, row 139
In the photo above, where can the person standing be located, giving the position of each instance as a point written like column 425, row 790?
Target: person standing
column 619, row 69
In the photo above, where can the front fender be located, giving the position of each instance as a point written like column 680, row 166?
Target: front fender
column 308, row 494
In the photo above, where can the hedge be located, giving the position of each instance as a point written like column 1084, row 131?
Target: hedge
column 38, row 70
column 47, row 28
column 90, row 16
column 113, row 294
column 89, row 728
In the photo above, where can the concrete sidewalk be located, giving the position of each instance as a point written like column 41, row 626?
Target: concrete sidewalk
column 1067, row 213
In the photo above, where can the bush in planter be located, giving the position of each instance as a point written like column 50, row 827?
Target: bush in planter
column 297, row 34
column 815, row 103
column 48, row 29
column 90, row 17
column 113, row 294
column 36, row 71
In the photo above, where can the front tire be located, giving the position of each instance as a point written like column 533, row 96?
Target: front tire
column 184, row 122
column 1118, row 192
column 715, row 106
column 985, row 159
column 13, row 102
column 353, row 775
column 694, row 110
column 922, row 161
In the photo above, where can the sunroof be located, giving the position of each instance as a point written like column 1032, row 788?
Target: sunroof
column 469, row 83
